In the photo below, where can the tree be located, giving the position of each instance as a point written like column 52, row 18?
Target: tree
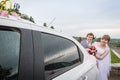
column 98, row 39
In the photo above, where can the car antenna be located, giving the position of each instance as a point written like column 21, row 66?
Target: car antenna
column 51, row 22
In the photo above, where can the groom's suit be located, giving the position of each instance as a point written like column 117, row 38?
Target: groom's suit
column 85, row 44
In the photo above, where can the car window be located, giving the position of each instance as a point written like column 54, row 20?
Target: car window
column 9, row 54
column 60, row 54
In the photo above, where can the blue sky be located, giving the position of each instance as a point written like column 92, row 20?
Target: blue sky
column 76, row 17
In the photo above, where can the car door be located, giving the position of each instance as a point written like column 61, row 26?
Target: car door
column 58, row 58
column 85, row 71
column 91, row 74
column 61, row 55
column 64, row 60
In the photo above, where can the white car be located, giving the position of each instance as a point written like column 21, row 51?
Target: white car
column 32, row 52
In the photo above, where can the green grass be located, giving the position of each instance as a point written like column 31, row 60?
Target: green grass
column 114, row 58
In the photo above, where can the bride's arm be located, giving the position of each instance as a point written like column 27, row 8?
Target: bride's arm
column 100, row 57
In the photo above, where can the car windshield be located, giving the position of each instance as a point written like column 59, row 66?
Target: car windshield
column 9, row 54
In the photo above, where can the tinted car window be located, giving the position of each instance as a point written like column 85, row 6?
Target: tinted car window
column 60, row 54
column 9, row 54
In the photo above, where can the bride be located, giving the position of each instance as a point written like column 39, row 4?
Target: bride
column 103, row 57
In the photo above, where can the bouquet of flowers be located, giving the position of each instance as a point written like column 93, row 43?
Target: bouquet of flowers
column 92, row 50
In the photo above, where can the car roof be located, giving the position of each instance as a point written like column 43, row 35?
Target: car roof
column 21, row 23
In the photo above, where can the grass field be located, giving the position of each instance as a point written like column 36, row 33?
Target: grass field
column 114, row 58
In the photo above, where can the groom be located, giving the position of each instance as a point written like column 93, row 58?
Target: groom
column 89, row 40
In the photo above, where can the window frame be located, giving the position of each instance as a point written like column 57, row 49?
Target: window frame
column 26, row 71
column 38, row 56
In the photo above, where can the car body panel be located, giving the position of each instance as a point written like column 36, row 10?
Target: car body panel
column 78, row 72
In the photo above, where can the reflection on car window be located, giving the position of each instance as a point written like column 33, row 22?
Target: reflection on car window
column 9, row 54
column 59, row 53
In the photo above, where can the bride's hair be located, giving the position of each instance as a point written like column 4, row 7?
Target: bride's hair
column 106, row 37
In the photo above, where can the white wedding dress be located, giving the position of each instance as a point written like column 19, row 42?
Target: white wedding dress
column 104, row 65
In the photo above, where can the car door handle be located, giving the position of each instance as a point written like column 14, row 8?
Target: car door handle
column 85, row 77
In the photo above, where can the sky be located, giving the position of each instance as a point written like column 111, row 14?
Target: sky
column 76, row 17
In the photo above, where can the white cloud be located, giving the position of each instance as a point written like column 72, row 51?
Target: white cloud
column 98, row 27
